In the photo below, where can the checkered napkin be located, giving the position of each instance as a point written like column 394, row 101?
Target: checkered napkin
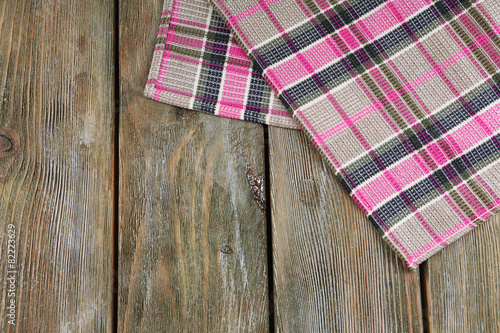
column 401, row 97
column 198, row 65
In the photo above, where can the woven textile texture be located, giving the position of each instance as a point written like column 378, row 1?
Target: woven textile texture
column 198, row 65
column 401, row 97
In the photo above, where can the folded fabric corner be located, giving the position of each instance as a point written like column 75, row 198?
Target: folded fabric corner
column 401, row 97
column 198, row 65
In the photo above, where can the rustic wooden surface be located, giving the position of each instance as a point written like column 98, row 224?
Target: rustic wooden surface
column 464, row 282
column 191, row 209
column 332, row 271
column 56, row 123
column 192, row 235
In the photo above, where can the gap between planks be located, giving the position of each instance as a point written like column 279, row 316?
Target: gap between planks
column 425, row 297
column 116, row 163
column 269, row 232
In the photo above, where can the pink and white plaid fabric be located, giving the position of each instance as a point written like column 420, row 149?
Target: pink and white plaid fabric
column 401, row 97
column 198, row 65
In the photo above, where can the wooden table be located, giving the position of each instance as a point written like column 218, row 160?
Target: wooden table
column 133, row 216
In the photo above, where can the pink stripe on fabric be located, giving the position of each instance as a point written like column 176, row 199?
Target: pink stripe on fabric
column 481, row 214
column 376, row 191
column 381, row 20
column 476, row 130
column 484, row 12
column 379, row 80
column 414, row 168
column 376, row 26
column 229, row 112
column 315, row 54
column 305, row 10
column 290, row 72
column 349, row 39
column 264, row 6
column 476, row 33
column 483, row 73
column 398, row 244
column 392, row 181
column 233, row 90
column 161, row 76
column 471, row 200
column 252, row 10
column 166, row 53
column 318, row 51
column 235, row 51
column 234, row 25
column 358, row 199
column 191, row 23
column 394, row 13
column 468, row 136
column 408, row 202
column 334, row 160
column 323, row 4
column 408, row 87
column 437, row 154
column 364, row 144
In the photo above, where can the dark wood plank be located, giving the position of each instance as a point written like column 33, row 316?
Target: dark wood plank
column 56, row 118
column 192, row 237
column 464, row 282
column 332, row 271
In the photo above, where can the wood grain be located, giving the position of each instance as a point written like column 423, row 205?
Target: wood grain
column 332, row 271
column 56, row 117
column 192, row 237
column 464, row 282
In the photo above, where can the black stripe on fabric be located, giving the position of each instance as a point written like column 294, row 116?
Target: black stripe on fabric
column 428, row 188
column 361, row 60
column 422, row 135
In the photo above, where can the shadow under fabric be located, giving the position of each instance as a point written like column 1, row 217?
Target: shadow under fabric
column 401, row 98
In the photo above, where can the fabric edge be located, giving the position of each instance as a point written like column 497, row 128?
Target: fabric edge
column 175, row 99
column 413, row 265
column 473, row 224
column 428, row 253
column 395, row 250
column 154, row 69
column 150, row 89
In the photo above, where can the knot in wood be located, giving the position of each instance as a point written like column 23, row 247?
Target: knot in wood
column 226, row 249
column 257, row 188
column 5, row 144
column 9, row 142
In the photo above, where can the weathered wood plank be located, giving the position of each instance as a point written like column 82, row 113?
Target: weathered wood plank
column 464, row 282
column 56, row 95
column 192, row 238
column 332, row 271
